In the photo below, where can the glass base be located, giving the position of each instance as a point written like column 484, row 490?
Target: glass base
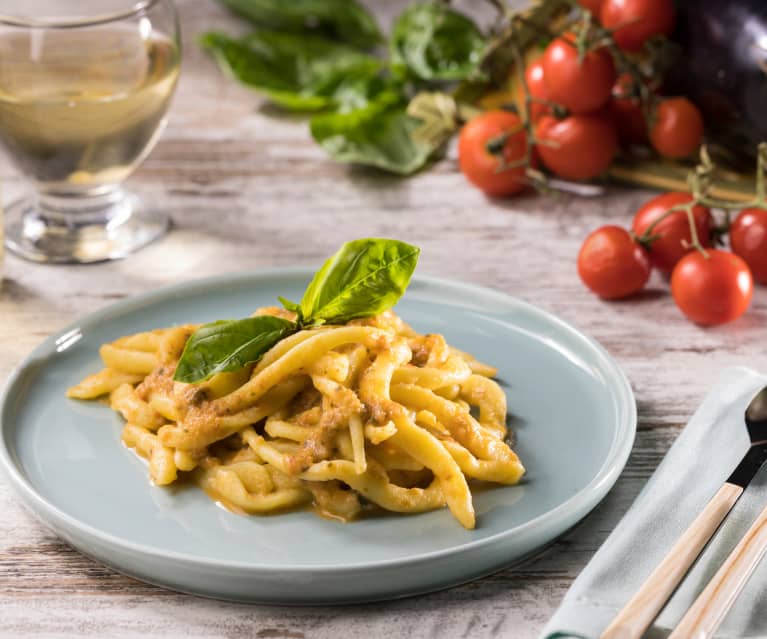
column 81, row 229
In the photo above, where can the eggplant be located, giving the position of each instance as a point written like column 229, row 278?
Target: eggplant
column 724, row 69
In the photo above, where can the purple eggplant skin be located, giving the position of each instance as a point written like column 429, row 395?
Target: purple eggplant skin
column 723, row 69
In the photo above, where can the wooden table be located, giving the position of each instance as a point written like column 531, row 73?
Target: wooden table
column 248, row 189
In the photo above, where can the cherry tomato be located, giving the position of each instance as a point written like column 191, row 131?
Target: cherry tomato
column 673, row 231
column 626, row 109
column 536, row 85
column 480, row 165
column 580, row 86
column 612, row 264
column 636, row 21
column 577, row 147
column 748, row 238
column 592, row 5
column 712, row 289
column 678, row 128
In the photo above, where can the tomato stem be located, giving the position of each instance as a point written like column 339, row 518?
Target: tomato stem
column 494, row 146
column 694, row 231
column 700, row 178
column 519, row 67
column 647, row 238
column 582, row 35
column 761, row 164
column 699, row 182
column 558, row 111
column 541, row 30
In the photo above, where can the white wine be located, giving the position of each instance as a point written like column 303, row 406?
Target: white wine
column 80, row 110
column 84, row 92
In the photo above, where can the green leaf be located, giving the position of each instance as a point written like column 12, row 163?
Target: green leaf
column 298, row 72
column 378, row 135
column 432, row 42
column 291, row 306
column 344, row 20
column 229, row 345
column 361, row 88
column 365, row 277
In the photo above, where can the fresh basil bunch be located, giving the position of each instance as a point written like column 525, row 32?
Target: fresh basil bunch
column 315, row 58
column 342, row 20
column 365, row 277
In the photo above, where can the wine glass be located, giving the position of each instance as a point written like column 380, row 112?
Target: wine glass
column 84, row 92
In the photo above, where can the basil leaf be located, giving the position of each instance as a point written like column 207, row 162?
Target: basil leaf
column 291, row 306
column 363, row 278
column 432, row 42
column 344, row 20
column 362, row 87
column 298, row 72
column 378, row 135
column 229, row 345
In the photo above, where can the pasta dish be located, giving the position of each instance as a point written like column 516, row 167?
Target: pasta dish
column 370, row 413
column 333, row 401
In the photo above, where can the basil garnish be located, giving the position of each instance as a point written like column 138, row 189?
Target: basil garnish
column 229, row 345
column 365, row 277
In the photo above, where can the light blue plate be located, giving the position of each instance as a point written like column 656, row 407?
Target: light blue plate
column 571, row 408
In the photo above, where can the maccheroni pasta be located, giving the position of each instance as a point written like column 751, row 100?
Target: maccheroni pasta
column 348, row 418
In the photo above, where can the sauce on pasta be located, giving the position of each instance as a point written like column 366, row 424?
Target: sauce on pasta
column 349, row 420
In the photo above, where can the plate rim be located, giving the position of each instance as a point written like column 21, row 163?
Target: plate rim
column 581, row 503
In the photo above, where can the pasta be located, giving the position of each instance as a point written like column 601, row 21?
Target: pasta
column 348, row 418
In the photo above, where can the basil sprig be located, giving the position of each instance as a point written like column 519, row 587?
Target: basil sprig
column 229, row 345
column 365, row 277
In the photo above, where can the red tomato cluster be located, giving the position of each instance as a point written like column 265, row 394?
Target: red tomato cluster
column 710, row 287
column 581, row 110
column 583, row 143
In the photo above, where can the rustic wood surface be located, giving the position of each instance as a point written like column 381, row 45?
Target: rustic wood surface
column 247, row 189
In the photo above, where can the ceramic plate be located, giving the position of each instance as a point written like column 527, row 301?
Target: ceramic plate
column 570, row 406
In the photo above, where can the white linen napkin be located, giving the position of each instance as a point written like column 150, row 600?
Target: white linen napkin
column 701, row 459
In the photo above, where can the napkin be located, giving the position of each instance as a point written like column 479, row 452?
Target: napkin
column 701, row 459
